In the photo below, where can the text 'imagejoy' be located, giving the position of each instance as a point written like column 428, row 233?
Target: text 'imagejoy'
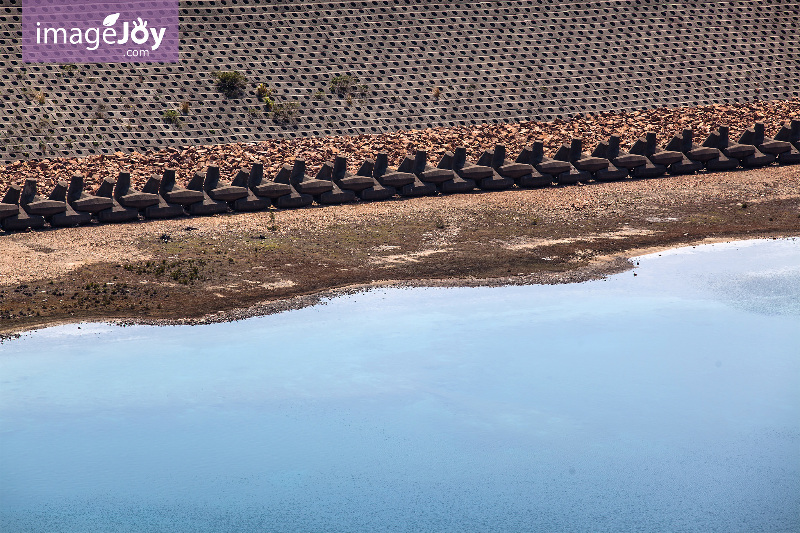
column 100, row 32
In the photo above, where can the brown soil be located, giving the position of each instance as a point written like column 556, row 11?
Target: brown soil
column 238, row 265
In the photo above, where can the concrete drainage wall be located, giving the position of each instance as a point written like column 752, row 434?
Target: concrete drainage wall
column 425, row 63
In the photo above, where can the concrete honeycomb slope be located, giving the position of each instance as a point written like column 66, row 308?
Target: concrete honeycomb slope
column 425, row 63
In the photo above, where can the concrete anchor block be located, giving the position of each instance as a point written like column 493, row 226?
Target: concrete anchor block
column 495, row 159
column 68, row 217
column 457, row 163
column 305, row 184
column 792, row 157
column 207, row 206
column 347, row 181
column 611, row 152
column 573, row 176
column 222, row 193
column 783, row 151
column 135, row 199
column 20, row 221
column 335, row 195
column 574, row 154
column 694, row 151
column 392, row 179
column 766, row 145
column 504, row 172
column 266, row 188
column 175, row 194
column 720, row 139
column 694, row 156
column 545, row 165
column 251, row 202
column 377, row 191
column 429, row 174
column 33, row 204
column 162, row 209
column 10, row 203
column 685, row 166
column 293, row 199
column 649, row 148
column 81, row 201
column 790, row 133
column 535, row 179
column 619, row 158
column 417, row 187
column 116, row 213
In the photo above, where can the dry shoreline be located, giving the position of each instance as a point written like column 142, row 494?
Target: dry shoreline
column 230, row 267
column 599, row 269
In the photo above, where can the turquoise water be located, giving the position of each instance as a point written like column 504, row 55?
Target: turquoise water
column 665, row 401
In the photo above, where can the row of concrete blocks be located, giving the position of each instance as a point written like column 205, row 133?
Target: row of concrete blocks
column 115, row 201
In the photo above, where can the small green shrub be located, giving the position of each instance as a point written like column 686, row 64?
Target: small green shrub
column 348, row 85
column 285, row 112
column 263, row 91
column 172, row 116
column 230, row 83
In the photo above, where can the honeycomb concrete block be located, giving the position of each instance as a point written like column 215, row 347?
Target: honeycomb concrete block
column 587, row 55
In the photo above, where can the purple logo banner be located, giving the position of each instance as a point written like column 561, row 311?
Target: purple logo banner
column 100, row 31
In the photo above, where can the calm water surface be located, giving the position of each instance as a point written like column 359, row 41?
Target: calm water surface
column 665, row 401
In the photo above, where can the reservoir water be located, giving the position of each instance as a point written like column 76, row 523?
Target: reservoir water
column 668, row 400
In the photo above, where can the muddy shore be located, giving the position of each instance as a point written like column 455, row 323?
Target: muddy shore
column 234, row 266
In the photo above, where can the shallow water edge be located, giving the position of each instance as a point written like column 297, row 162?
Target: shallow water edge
column 600, row 268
